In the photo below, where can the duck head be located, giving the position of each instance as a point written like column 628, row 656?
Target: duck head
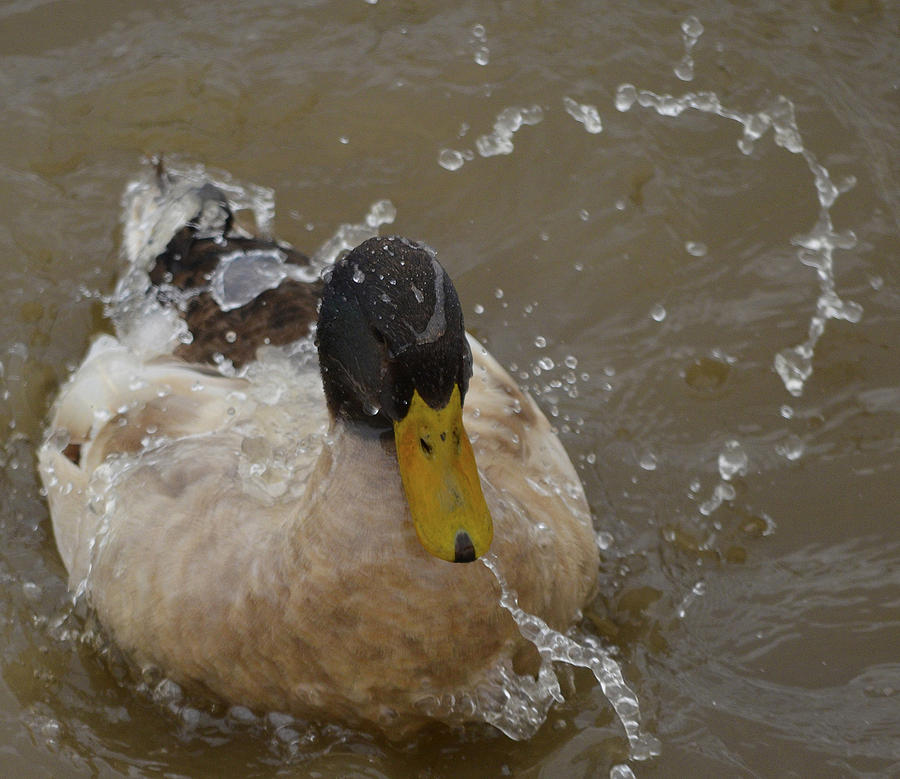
column 394, row 356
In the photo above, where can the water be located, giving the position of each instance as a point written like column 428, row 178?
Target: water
column 583, row 652
column 747, row 185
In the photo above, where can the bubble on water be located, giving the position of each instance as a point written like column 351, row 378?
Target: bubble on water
column 658, row 312
column 621, row 771
column 540, row 342
column 478, row 308
column 786, row 411
column 585, row 114
column 482, row 55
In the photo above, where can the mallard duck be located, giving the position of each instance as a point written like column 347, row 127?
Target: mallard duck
column 296, row 533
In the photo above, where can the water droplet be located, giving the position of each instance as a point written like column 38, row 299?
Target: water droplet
column 604, row 540
column 648, row 461
column 584, row 113
column 658, row 312
column 478, row 308
column 791, row 448
column 695, row 248
column 685, row 69
column 732, row 460
column 450, row 159
column 540, row 342
column 358, row 276
column 498, row 293
column 691, row 27
column 626, row 95
column 231, row 336
column 571, row 361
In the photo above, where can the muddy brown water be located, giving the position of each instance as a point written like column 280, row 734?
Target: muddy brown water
column 716, row 337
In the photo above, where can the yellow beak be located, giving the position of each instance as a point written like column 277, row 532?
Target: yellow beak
column 441, row 481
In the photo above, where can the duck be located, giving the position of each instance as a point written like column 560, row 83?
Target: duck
column 274, row 485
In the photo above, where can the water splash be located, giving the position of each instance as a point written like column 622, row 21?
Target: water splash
column 793, row 364
column 508, row 122
column 482, row 55
column 582, row 651
column 154, row 212
column 691, row 30
column 584, row 113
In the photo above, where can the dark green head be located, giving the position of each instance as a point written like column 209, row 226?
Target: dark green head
column 390, row 323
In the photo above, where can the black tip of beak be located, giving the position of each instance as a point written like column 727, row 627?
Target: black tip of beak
column 465, row 549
